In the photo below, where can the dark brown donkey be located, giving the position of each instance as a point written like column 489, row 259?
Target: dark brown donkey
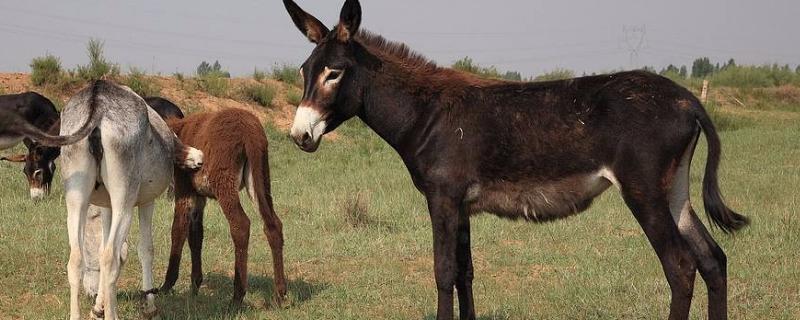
column 235, row 149
column 530, row 151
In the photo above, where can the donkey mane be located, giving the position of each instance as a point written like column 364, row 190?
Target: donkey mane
column 395, row 51
column 419, row 66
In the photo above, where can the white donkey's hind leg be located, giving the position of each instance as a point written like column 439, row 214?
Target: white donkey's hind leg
column 146, row 257
column 123, row 191
column 79, row 178
column 91, row 247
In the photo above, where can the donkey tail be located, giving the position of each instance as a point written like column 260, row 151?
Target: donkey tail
column 722, row 216
column 93, row 120
column 256, row 152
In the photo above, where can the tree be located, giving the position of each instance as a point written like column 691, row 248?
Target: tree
column 683, row 73
column 207, row 69
column 797, row 70
column 702, row 67
column 730, row 64
column 670, row 69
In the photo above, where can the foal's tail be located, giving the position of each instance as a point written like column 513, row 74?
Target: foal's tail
column 722, row 216
column 257, row 158
column 23, row 127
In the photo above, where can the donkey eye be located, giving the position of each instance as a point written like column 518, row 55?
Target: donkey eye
column 333, row 75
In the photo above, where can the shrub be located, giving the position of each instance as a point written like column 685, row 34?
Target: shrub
column 46, row 70
column 214, row 84
column 557, row 74
column 465, row 64
column 178, row 76
column 288, row 74
column 2, row 90
column 259, row 93
column 293, row 97
column 140, row 83
column 259, row 75
column 98, row 66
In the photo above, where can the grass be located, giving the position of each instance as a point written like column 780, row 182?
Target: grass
column 293, row 97
column 358, row 243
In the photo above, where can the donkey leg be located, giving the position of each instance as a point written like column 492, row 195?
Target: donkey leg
column 123, row 195
column 239, row 225
column 652, row 212
column 78, row 186
column 196, row 241
column 273, row 229
column 710, row 258
column 145, row 252
column 466, row 305
column 711, row 262
column 444, row 220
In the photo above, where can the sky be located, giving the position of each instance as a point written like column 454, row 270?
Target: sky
column 529, row 36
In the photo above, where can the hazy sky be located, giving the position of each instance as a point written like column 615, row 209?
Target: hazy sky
column 530, row 36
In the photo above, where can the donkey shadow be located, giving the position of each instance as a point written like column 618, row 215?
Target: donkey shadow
column 213, row 298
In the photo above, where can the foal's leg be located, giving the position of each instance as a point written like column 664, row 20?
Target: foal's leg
column 196, row 241
column 444, row 220
column 184, row 204
column 239, row 225
column 77, row 189
column 466, row 307
column 273, row 229
column 146, row 257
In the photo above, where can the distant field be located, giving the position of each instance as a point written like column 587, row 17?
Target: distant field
column 358, row 243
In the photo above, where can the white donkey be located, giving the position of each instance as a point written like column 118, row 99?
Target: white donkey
column 126, row 161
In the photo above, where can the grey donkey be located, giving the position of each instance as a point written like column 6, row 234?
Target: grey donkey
column 124, row 159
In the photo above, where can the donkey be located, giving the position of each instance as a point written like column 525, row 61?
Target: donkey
column 530, row 151
column 123, row 160
column 33, row 108
column 39, row 162
column 235, row 149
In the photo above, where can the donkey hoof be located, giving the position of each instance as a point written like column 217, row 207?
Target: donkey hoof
column 150, row 313
column 96, row 314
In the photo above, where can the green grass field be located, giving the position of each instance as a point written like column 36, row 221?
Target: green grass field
column 358, row 243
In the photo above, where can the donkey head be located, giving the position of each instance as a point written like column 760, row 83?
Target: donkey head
column 330, row 75
column 39, row 167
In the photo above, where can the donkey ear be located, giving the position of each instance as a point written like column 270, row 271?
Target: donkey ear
column 308, row 24
column 349, row 20
column 15, row 158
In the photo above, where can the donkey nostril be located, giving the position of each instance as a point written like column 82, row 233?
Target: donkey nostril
column 306, row 138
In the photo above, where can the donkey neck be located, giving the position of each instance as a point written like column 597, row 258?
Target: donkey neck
column 400, row 103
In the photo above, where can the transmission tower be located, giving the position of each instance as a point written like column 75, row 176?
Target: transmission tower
column 635, row 42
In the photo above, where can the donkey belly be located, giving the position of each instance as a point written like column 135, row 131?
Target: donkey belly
column 149, row 189
column 538, row 201
column 8, row 141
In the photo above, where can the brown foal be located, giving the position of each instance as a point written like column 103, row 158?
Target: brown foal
column 235, row 148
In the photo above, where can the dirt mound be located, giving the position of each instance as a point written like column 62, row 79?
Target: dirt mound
column 185, row 94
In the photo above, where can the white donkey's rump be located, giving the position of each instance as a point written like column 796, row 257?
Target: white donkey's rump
column 126, row 161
